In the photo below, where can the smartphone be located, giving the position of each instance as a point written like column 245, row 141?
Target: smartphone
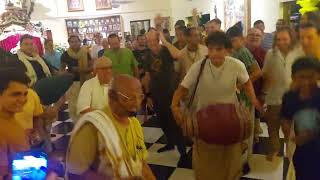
column 31, row 165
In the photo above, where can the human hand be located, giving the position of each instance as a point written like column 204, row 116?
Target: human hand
column 194, row 12
column 162, row 38
column 177, row 114
column 51, row 113
column 149, row 103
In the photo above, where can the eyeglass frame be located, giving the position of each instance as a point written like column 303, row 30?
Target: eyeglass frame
column 142, row 96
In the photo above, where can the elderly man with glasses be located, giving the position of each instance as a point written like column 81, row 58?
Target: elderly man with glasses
column 109, row 144
column 254, row 44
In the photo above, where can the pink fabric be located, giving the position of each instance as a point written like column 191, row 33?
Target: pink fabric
column 12, row 41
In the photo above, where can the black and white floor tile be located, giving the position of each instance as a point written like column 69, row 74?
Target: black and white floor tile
column 164, row 165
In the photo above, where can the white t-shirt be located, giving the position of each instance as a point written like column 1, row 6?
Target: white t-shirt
column 217, row 84
column 94, row 51
column 277, row 69
column 92, row 95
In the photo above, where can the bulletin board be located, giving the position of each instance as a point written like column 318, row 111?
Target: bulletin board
column 89, row 26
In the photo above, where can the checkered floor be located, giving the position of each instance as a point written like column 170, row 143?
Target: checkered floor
column 164, row 165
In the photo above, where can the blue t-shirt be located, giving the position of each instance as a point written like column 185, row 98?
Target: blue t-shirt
column 305, row 114
column 53, row 59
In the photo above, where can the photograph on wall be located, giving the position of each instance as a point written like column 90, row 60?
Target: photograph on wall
column 234, row 11
column 103, row 4
column 75, row 5
column 137, row 26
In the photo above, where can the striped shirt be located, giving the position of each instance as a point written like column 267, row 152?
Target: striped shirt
column 267, row 41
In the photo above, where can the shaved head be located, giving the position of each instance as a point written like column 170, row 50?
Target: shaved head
column 125, row 83
column 125, row 95
column 152, row 36
column 153, row 41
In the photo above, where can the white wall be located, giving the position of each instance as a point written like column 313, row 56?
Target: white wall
column 53, row 13
column 266, row 10
column 183, row 8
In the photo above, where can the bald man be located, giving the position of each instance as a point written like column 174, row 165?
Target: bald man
column 161, row 87
column 94, row 92
column 109, row 144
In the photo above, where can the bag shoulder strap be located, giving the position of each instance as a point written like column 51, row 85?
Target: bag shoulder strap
column 203, row 63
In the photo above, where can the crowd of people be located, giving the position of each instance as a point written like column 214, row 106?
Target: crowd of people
column 210, row 88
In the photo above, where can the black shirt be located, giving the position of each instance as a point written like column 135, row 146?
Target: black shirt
column 72, row 63
column 35, row 65
column 305, row 114
column 163, row 76
column 38, row 69
column 141, row 57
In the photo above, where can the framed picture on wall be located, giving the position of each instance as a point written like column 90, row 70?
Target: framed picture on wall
column 235, row 11
column 75, row 5
column 103, row 4
column 137, row 26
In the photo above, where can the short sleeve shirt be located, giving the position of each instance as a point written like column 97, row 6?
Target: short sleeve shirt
column 163, row 76
column 216, row 84
column 95, row 50
column 277, row 69
column 267, row 41
column 93, row 95
column 31, row 109
column 303, row 113
column 141, row 56
column 123, row 61
column 188, row 58
column 54, row 59
column 245, row 56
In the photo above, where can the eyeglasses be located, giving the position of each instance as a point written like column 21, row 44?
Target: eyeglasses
column 136, row 97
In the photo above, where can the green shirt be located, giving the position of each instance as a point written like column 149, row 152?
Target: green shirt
column 123, row 61
column 245, row 56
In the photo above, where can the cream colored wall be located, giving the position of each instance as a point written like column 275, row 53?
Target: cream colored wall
column 183, row 8
column 52, row 13
column 266, row 10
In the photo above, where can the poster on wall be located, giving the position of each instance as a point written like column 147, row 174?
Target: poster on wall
column 103, row 4
column 235, row 11
column 75, row 5
column 137, row 26
column 105, row 25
